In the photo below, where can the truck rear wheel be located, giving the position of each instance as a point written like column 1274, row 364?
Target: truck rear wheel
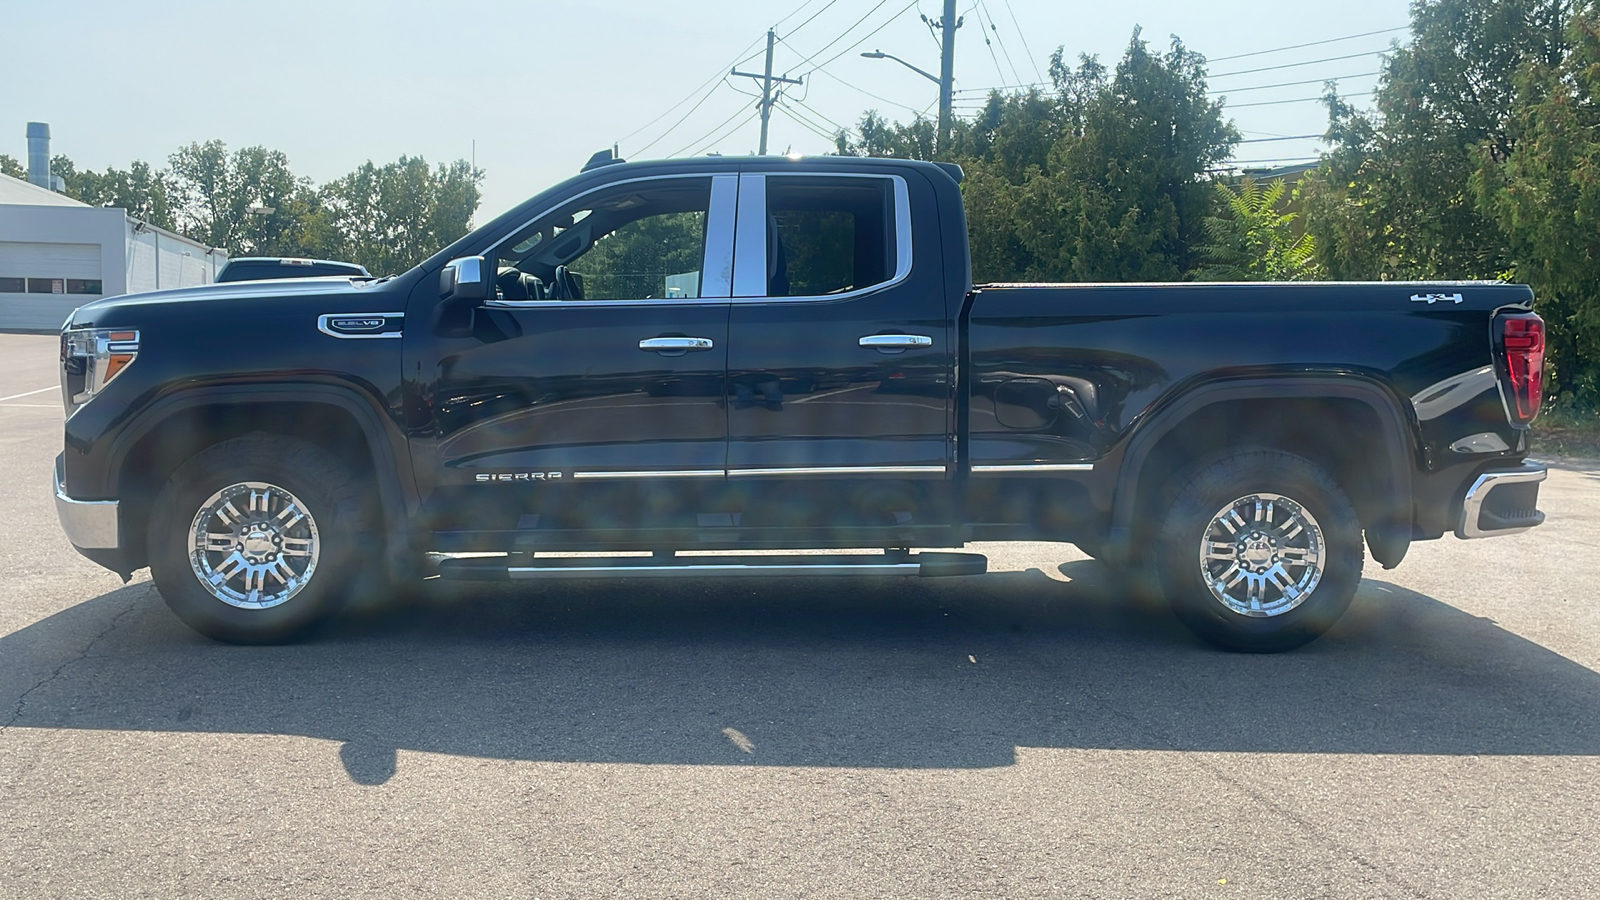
column 1260, row 552
column 253, row 540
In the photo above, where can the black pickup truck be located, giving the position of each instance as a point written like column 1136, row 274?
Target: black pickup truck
column 774, row 354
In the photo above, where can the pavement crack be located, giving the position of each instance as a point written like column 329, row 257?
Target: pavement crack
column 22, row 699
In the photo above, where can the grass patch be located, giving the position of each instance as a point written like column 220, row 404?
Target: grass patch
column 1566, row 433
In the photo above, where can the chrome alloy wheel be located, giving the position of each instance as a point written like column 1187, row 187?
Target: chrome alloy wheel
column 253, row 545
column 1262, row 555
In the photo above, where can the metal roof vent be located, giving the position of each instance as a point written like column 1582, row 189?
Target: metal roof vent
column 39, row 155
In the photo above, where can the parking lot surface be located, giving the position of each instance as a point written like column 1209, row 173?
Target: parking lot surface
column 1028, row 733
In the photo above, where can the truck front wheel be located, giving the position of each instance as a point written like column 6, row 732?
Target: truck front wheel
column 253, row 540
column 1260, row 552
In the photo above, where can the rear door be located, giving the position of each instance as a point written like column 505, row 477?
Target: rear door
column 840, row 363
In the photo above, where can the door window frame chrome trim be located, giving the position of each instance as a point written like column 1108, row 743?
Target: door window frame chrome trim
column 750, row 239
column 717, row 255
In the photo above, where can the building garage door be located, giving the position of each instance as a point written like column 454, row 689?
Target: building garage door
column 40, row 283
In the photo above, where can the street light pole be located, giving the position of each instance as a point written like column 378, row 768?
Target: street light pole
column 947, row 62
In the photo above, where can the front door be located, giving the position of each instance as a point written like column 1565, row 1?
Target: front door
column 840, row 360
column 590, row 396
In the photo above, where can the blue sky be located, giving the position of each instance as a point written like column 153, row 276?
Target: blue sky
column 539, row 86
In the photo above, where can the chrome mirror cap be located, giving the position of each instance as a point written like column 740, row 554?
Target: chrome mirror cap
column 463, row 279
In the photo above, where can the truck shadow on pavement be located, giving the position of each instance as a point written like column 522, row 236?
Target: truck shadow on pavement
column 938, row 673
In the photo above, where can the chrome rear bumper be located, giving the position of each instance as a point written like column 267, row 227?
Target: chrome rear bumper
column 89, row 524
column 1502, row 503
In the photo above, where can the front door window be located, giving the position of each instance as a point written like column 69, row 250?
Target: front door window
column 634, row 242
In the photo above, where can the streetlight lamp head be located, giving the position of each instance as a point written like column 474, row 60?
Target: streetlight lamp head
column 876, row 54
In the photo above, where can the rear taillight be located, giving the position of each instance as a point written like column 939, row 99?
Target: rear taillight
column 1522, row 336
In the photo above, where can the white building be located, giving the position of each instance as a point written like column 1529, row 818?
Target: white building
column 57, row 254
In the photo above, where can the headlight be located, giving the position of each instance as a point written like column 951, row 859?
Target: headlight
column 90, row 358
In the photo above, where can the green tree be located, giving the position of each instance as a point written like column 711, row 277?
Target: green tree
column 634, row 261
column 248, row 202
column 1545, row 199
column 1101, row 179
column 1393, row 198
column 10, row 166
column 1253, row 240
column 391, row 217
column 1121, row 193
column 139, row 189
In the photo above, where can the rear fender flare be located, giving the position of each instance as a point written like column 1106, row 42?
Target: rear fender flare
column 1388, row 535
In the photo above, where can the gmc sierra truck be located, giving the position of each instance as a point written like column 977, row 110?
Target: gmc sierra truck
column 654, row 360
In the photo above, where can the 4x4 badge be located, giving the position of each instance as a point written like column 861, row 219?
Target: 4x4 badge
column 1431, row 299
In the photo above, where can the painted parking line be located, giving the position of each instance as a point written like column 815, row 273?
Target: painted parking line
column 52, row 387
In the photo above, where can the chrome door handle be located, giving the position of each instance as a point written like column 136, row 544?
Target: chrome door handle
column 895, row 341
column 675, row 343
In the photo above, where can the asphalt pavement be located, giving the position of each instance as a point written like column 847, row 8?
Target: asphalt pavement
column 1027, row 733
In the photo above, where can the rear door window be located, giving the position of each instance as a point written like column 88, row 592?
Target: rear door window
column 828, row 235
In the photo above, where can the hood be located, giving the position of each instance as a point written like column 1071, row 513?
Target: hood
column 94, row 312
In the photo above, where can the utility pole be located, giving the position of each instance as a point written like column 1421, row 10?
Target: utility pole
column 767, row 80
column 947, row 67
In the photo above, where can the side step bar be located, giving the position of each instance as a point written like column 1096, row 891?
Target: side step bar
column 926, row 565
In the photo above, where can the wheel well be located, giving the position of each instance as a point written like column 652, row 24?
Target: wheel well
column 176, row 439
column 1342, row 436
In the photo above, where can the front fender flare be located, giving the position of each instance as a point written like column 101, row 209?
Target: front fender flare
column 397, row 496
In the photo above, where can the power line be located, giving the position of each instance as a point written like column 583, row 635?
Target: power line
column 1263, row 87
column 1348, row 37
column 1235, row 90
column 818, row 113
column 784, row 108
column 887, row 22
column 1309, row 62
column 1287, row 137
column 1281, row 102
column 997, row 70
column 808, row 18
column 712, row 82
column 861, row 90
column 714, row 129
column 998, row 39
column 1025, row 48
column 842, row 34
column 809, row 125
column 740, row 59
column 727, row 134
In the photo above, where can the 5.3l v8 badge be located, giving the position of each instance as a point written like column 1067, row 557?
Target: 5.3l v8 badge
column 1431, row 299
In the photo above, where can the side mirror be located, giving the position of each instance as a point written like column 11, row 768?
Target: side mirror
column 463, row 286
column 465, row 280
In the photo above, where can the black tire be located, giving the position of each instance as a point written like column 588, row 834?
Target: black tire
column 334, row 502
column 1195, row 516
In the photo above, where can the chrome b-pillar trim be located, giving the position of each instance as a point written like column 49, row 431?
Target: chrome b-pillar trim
column 89, row 524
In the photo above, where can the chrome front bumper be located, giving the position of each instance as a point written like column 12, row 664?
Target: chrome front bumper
column 1502, row 503
column 89, row 524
